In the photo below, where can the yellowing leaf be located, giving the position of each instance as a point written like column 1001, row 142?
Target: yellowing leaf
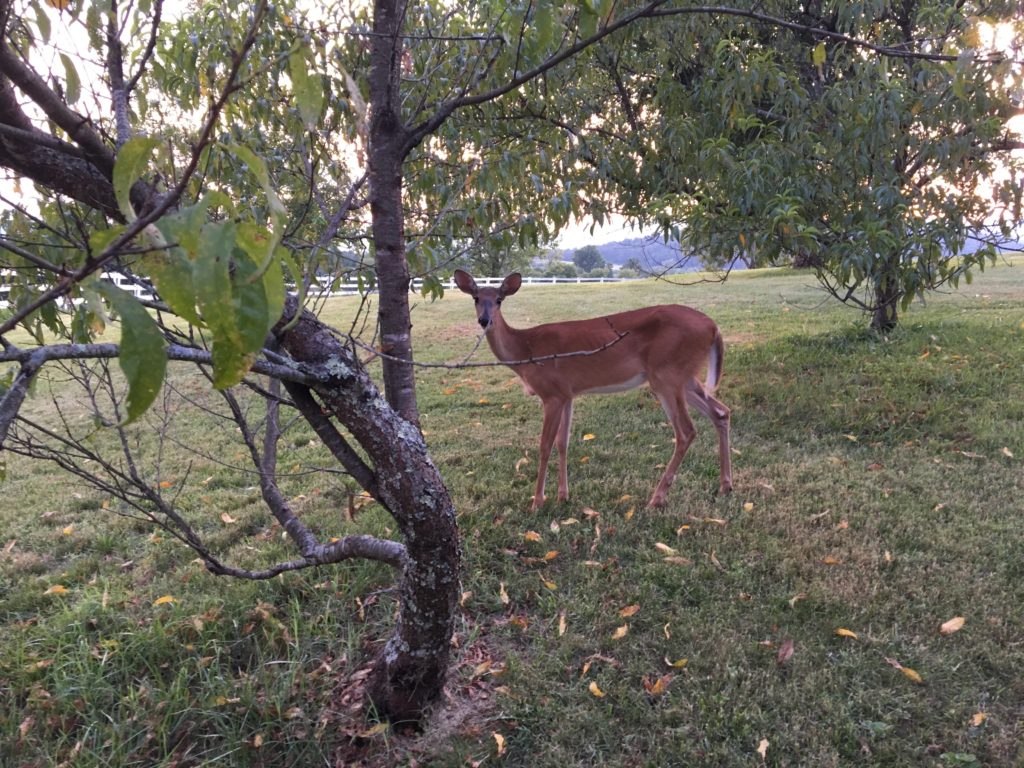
column 500, row 741
column 829, row 560
column 163, row 600
column 851, row 438
column 844, row 632
column 502, row 594
column 621, row 632
column 665, row 548
column 748, row 506
column 68, row 530
column 978, row 718
column 56, row 589
column 677, row 664
column 953, row 625
column 629, row 610
column 375, row 730
column 624, row 498
column 548, row 584
column 657, row 687
column 589, row 436
column 551, row 555
column 595, row 690
column 165, row 484
column 630, row 512
column 912, row 674
column 483, row 401
column 531, row 536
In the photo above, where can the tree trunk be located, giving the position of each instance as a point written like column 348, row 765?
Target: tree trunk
column 410, row 672
column 885, row 314
column 387, row 140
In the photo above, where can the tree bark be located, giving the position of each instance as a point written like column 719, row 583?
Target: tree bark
column 410, row 672
column 885, row 312
column 387, row 141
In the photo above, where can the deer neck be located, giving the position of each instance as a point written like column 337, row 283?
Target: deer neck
column 507, row 343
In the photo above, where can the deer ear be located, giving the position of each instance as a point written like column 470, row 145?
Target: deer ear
column 465, row 282
column 511, row 284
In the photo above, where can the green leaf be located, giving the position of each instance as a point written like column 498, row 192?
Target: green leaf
column 143, row 358
column 545, row 23
column 131, row 161
column 307, row 85
column 172, row 275
column 212, row 282
column 42, row 21
column 73, row 84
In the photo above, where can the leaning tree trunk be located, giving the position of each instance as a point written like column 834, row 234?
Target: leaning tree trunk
column 410, row 672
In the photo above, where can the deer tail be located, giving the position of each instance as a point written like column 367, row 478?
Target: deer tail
column 715, row 360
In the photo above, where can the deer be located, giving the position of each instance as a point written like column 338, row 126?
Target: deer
column 664, row 346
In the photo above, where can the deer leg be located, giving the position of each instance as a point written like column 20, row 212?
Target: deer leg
column 718, row 414
column 553, row 410
column 675, row 409
column 562, row 443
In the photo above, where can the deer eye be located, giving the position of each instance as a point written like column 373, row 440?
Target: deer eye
column 499, row 302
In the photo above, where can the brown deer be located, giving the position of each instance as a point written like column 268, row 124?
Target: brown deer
column 664, row 346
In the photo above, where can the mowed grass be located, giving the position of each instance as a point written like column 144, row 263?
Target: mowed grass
column 878, row 487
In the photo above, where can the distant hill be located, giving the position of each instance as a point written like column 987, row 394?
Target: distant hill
column 651, row 252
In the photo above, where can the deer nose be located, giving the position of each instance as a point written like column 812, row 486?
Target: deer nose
column 484, row 321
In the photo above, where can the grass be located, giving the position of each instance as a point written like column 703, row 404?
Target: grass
column 878, row 487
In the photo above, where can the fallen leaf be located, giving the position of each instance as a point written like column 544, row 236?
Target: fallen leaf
column 586, row 668
column 874, row 466
column 465, row 598
column 28, row 722
column 56, row 589
column 570, row 521
column 483, row 401
column 678, row 560
column 163, row 600
column 851, row 438
column 797, row 598
column 630, row 512
column 620, row 632
column 624, row 498
column 665, row 548
column 531, row 536
column 912, row 675
column 953, row 625
column 677, row 664
column 593, row 688
column 1007, row 452
column 292, row 713
column 550, row 555
column 978, row 718
column 829, row 560
column 658, row 686
column 785, row 651
column 554, row 527
column 549, row 584
column 748, row 506
column 714, row 560
column 562, row 624
column 762, row 748
column 588, row 512
column 502, row 594
column 842, row 525
column 257, row 741
column 629, row 610
column 228, row 518
column 375, row 730
column 589, row 436
column 844, row 632
column 500, row 741
column 68, row 530
column 166, row 483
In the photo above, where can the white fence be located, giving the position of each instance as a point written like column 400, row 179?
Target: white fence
column 323, row 285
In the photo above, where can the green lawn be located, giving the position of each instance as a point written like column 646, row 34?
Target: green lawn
column 878, row 490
